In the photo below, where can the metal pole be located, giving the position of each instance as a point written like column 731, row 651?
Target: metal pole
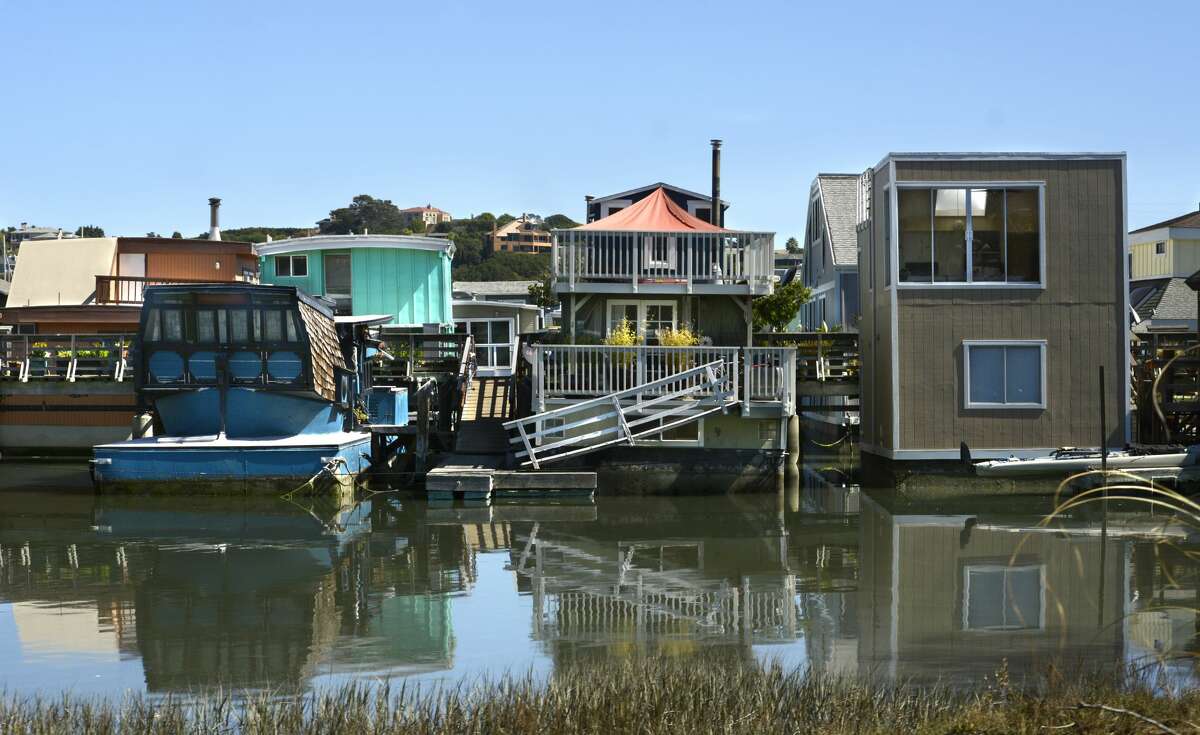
column 1104, row 502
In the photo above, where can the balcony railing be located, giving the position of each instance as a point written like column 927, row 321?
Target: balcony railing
column 68, row 357
column 760, row 374
column 740, row 261
column 121, row 290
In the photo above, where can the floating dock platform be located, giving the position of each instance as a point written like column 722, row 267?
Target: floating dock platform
column 481, row 477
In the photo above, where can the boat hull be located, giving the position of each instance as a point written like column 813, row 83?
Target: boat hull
column 1050, row 467
column 221, row 465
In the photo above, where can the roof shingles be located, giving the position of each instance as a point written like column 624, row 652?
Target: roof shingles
column 839, row 197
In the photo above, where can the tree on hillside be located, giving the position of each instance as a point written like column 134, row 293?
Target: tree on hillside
column 504, row 219
column 90, row 231
column 365, row 213
column 776, row 311
column 792, row 245
column 506, row 267
column 558, row 222
column 176, row 235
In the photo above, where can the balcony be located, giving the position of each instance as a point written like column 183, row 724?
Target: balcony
column 597, row 261
column 127, row 290
column 762, row 376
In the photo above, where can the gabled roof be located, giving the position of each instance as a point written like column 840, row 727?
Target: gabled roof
column 655, row 213
column 658, row 185
column 1191, row 219
column 839, row 199
column 1168, row 298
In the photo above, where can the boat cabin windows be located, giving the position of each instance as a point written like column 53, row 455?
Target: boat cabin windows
column 970, row 235
column 1001, row 374
column 291, row 265
column 187, row 338
column 1003, row 598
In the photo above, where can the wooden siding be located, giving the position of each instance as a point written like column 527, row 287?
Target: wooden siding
column 1180, row 259
column 412, row 285
column 1080, row 314
column 326, row 353
column 192, row 266
column 875, row 326
column 930, row 598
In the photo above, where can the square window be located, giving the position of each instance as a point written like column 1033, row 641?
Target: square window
column 1160, row 248
column 1002, row 375
column 283, row 266
column 299, row 265
column 1002, row 598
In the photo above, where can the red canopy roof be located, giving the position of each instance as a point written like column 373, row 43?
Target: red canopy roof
column 655, row 213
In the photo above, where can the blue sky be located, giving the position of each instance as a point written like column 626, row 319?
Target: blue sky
column 130, row 114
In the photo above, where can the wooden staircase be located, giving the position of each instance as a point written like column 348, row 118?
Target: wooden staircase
column 486, row 408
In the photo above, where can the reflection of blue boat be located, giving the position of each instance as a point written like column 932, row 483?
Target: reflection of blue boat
column 246, row 383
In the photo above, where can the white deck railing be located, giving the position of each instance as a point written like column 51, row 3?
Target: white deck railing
column 576, row 371
column 687, row 258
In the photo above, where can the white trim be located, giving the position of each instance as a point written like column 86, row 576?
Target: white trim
column 656, row 440
column 1006, row 569
column 968, row 186
column 641, row 310
column 495, row 304
column 998, row 156
column 513, row 328
column 606, row 206
column 694, row 204
column 1122, row 338
column 967, row 344
column 893, row 241
column 336, row 242
column 291, row 261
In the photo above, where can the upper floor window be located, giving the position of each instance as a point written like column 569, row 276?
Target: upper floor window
column 969, row 235
column 291, row 265
column 1160, row 248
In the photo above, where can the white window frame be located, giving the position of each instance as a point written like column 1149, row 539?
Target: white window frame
column 657, row 440
column 894, row 249
column 641, row 313
column 619, row 203
column 966, row 600
column 967, row 344
column 694, row 204
column 291, row 261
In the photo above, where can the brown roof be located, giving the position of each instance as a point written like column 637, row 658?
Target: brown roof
column 426, row 208
column 326, row 354
column 1191, row 219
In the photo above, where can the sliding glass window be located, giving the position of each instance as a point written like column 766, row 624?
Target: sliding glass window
column 965, row 235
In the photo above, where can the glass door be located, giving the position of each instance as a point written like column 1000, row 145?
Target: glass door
column 494, row 344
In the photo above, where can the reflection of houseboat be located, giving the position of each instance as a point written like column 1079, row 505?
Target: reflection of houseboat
column 245, row 382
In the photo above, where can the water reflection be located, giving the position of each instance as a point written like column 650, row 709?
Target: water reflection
column 168, row 595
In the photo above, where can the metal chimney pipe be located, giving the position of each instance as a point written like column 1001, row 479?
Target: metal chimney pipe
column 715, row 214
column 214, row 220
column 587, row 208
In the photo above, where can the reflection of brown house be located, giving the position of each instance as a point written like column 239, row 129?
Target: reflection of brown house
column 94, row 285
column 936, row 587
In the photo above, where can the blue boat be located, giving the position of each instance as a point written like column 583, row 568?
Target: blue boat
column 247, row 388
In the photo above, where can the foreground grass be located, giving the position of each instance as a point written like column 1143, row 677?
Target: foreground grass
column 642, row 697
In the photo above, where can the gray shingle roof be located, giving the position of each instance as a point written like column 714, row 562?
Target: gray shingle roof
column 839, row 197
column 1177, row 302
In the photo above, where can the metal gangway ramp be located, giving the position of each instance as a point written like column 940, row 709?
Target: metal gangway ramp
column 625, row 416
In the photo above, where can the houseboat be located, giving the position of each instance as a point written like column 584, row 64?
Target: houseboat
column 73, row 310
column 657, row 415
column 993, row 289
column 246, row 384
column 406, row 278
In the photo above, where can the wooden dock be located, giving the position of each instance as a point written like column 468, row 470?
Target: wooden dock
column 483, row 477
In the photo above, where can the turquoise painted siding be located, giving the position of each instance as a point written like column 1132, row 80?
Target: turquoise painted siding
column 312, row 284
column 411, row 285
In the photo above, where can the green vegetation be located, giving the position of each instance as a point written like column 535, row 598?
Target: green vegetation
column 776, row 311
column 792, row 245
column 259, row 234
column 505, row 267
column 90, row 231
column 655, row 696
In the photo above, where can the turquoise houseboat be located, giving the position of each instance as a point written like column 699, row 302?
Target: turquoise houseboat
column 404, row 277
column 244, row 384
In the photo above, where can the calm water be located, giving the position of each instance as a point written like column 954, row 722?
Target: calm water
column 104, row 595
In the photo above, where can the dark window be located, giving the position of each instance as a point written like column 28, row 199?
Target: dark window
column 1160, row 248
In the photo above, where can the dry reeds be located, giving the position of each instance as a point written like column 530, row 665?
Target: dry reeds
column 645, row 696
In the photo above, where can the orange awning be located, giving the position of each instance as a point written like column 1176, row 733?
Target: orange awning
column 655, row 213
